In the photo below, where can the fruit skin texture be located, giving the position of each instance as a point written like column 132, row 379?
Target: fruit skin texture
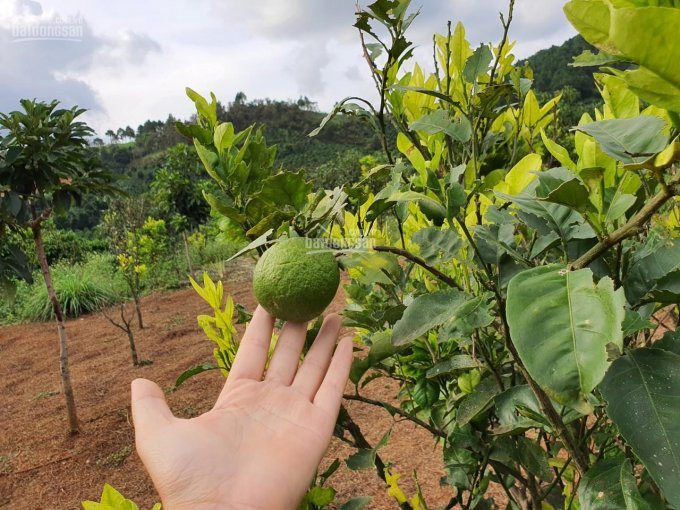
column 294, row 282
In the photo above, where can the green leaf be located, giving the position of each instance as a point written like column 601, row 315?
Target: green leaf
column 635, row 30
column 452, row 365
column 427, row 92
column 362, row 459
column 634, row 322
column 561, row 323
column 560, row 186
column 547, row 217
column 380, row 349
column 320, row 496
column 591, row 19
column 356, row 503
column 428, row 311
column 195, row 370
column 533, row 458
column 654, row 273
column 642, row 390
column 508, row 404
column 610, row 484
column 260, row 241
column 558, row 152
column 439, row 122
column 477, row 401
column 588, row 59
column 670, row 341
column 477, row 64
column 437, row 243
column 219, row 205
column 628, row 140
column 285, row 189
column 329, row 471
column 651, row 88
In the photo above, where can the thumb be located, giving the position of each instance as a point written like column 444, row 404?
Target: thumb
column 149, row 408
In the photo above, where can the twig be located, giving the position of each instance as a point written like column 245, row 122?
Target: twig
column 629, row 229
column 395, row 410
column 506, row 28
column 414, row 258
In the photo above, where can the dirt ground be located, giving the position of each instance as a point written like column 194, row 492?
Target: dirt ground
column 42, row 468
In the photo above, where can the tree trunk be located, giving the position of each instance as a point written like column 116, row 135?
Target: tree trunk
column 133, row 348
column 138, row 305
column 138, row 309
column 61, row 329
column 188, row 255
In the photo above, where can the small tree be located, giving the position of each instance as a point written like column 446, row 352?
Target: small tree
column 125, row 325
column 137, row 241
column 45, row 166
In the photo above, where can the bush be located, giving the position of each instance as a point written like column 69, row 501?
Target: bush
column 80, row 289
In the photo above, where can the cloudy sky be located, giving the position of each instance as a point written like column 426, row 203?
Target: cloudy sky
column 130, row 60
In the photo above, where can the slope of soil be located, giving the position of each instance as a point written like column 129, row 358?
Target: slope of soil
column 42, row 468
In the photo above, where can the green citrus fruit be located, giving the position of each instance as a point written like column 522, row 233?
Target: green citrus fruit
column 295, row 280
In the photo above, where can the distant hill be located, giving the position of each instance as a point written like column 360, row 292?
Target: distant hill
column 552, row 71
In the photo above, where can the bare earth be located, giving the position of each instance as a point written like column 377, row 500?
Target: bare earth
column 42, row 468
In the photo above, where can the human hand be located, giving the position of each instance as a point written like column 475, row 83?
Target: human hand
column 260, row 445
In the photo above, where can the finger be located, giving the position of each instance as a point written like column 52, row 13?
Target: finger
column 254, row 347
column 315, row 365
column 330, row 392
column 149, row 408
column 286, row 357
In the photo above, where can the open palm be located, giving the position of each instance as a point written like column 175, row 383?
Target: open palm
column 259, row 446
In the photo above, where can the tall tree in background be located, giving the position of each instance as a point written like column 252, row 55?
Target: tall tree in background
column 45, row 166
column 177, row 191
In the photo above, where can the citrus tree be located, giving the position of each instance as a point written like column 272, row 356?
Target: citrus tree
column 45, row 167
column 512, row 288
column 137, row 240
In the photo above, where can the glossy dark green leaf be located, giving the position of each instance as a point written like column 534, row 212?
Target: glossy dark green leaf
column 642, row 390
column 451, row 365
column 610, row 485
column 670, row 341
column 655, row 273
column 476, row 402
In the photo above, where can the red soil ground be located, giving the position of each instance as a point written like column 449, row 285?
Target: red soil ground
column 42, row 468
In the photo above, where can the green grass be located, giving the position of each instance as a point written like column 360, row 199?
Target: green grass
column 80, row 289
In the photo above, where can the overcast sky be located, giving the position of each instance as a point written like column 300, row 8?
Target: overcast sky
column 130, row 60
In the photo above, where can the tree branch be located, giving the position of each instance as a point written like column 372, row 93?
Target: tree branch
column 414, row 258
column 629, row 229
column 395, row 410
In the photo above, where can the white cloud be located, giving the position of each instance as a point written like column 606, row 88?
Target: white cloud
column 135, row 58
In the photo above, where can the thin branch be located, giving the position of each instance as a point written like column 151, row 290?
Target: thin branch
column 414, row 258
column 395, row 410
column 504, row 41
column 631, row 228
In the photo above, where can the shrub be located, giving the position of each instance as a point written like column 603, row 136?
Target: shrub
column 80, row 289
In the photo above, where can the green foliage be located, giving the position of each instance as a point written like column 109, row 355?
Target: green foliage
column 511, row 300
column 45, row 166
column 80, row 289
column 111, row 499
